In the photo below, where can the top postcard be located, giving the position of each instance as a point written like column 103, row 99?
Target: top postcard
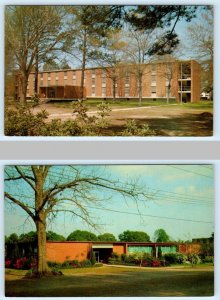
column 109, row 70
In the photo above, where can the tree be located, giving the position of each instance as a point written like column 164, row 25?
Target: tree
column 167, row 71
column 151, row 17
column 134, row 236
column 139, row 42
column 82, row 235
column 64, row 64
column 43, row 192
column 111, row 60
column 107, row 237
column 201, row 40
column 160, row 235
column 32, row 33
column 50, row 64
column 91, row 25
column 53, row 236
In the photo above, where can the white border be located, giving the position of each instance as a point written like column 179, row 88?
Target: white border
column 216, row 135
column 216, row 164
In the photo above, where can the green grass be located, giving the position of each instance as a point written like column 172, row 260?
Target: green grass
column 116, row 281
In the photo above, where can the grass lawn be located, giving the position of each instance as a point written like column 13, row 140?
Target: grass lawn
column 115, row 281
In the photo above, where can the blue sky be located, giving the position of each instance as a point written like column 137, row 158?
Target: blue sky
column 181, row 200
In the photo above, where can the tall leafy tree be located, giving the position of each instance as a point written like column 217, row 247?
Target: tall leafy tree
column 151, row 17
column 81, row 235
column 91, row 25
column 107, row 237
column 134, row 236
column 43, row 192
column 160, row 235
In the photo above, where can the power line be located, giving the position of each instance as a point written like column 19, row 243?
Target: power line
column 152, row 216
column 188, row 171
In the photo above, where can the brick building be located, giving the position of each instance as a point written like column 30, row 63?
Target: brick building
column 183, row 77
column 61, row 251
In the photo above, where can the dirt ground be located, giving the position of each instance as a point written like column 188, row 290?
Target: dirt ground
column 166, row 120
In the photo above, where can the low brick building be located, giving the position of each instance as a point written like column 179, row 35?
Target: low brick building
column 183, row 77
column 61, row 251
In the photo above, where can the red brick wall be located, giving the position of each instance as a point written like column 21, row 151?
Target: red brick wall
column 119, row 249
column 189, row 248
column 60, row 252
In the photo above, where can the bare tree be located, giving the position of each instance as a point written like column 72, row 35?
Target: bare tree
column 139, row 42
column 32, row 33
column 201, row 40
column 167, row 71
column 43, row 192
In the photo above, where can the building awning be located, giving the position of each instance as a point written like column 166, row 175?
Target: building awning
column 103, row 246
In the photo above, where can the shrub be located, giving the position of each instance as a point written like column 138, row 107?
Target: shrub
column 93, row 259
column 85, row 263
column 8, row 263
column 132, row 129
column 194, row 259
column 209, row 259
column 155, row 263
column 175, row 258
column 53, row 264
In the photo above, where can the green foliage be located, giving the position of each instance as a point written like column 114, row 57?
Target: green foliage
column 82, row 235
column 93, row 259
column 91, row 125
column 107, row 237
column 134, row 236
column 194, row 259
column 175, row 258
column 53, row 236
column 160, row 235
column 23, row 122
column 28, row 237
column 13, row 238
column 209, row 259
column 132, row 129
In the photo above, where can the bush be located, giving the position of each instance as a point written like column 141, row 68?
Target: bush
column 132, row 129
column 85, row 263
column 53, row 264
column 155, row 263
column 175, row 258
column 194, row 259
column 209, row 259
column 93, row 259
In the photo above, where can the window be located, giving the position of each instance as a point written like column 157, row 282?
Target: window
column 127, row 90
column 103, row 91
column 84, row 78
column 65, row 75
column 57, row 76
column 93, row 90
column 74, row 78
column 153, row 89
column 93, row 81
column 127, row 80
column 41, row 76
column 153, row 78
column 93, row 73
column 48, row 76
column 153, row 68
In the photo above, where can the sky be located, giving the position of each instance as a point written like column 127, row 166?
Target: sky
column 180, row 199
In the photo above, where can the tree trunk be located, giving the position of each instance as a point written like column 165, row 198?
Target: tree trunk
column 81, row 94
column 42, row 267
column 140, row 87
column 36, row 73
column 23, row 94
column 168, row 93
column 114, row 89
